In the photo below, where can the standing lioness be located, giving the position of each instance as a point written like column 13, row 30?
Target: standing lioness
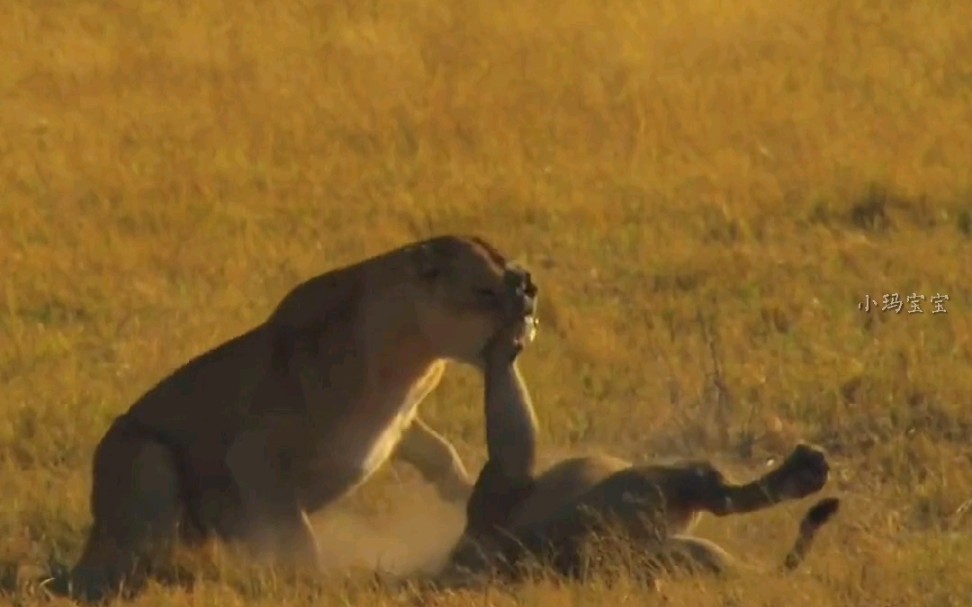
column 244, row 440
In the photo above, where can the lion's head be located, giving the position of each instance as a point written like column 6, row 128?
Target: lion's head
column 469, row 292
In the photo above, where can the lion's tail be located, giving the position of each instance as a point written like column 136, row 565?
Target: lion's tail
column 813, row 520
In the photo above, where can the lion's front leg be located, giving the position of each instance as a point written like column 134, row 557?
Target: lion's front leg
column 804, row 472
column 436, row 459
column 274, row 522
column 511, row 423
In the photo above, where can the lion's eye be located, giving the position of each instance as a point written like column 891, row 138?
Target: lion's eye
column 487, row 294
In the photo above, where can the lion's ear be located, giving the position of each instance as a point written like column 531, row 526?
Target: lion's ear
column 426, row 261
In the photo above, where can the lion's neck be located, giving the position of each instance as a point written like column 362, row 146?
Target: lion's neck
column 390, row 335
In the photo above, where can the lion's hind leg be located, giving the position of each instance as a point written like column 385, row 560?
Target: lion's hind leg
column 686, row 554
column 136, row 504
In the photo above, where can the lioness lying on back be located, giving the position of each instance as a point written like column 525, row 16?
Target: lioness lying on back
column 653, row 507
column 246, row 439
column 515, row 517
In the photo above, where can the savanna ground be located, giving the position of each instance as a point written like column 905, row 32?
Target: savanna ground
column 705, row 191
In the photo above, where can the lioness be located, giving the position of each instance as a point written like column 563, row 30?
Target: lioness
column 514, row 516
column 243, row 441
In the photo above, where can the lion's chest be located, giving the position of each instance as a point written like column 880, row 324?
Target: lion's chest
column 378, row 448
column 373, row 427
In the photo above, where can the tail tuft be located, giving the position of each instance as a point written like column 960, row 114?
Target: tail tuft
column 816, row 517
column 822, row 511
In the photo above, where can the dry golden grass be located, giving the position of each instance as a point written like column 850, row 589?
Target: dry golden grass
column 168, row 169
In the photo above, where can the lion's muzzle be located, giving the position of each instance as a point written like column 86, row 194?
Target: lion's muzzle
column 522, row 299
column 522, row 292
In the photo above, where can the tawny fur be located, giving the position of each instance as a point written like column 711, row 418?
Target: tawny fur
column 651, row 507
column 515, row 516
column 243, row 441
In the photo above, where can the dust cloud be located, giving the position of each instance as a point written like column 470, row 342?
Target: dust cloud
column 414, row 535
column 411, row 531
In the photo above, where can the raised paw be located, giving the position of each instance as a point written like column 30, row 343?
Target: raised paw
column 805, row 471
column 455, row 488
column 505, row 346
column 821, row 512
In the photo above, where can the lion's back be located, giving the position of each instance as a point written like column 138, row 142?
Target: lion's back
column 198, row 399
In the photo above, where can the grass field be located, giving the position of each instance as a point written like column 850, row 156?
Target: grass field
column 693, row 184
